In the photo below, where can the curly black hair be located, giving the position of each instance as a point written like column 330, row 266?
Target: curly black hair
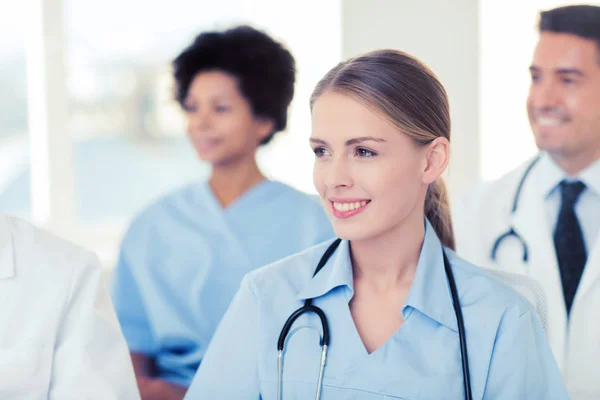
column 265, row 69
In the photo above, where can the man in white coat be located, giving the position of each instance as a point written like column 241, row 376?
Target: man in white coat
column 59, row 335
column 549, row 229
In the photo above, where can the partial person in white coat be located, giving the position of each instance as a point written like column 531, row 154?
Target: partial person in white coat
column 59, row 335
column 543, row 219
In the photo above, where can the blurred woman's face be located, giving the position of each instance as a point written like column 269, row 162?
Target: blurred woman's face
column 221, row 124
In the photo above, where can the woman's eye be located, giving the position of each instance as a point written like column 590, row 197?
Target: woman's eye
column 190, row 108
column 366, row 153
column 320, row 152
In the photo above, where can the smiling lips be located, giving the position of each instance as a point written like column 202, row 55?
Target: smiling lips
column 346, row 208
column 549, row 121
column 206, row 143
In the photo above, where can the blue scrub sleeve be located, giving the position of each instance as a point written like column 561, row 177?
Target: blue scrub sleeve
column 522, row 364
column 229, row 369
column 130, row 308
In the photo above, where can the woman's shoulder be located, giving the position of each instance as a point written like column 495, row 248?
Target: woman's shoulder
column 491, row 291
column 506, row 327
column 287, row 276
column 166, row 206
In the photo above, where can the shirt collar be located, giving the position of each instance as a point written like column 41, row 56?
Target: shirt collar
column 337, row 272
column 551, row 175
column 7, row 259
column 429, row 292
column 591, row 177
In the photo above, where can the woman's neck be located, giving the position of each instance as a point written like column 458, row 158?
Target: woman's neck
column 389, row 261
column 230, row 182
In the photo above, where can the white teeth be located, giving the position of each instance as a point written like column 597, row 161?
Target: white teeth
column 548, row 121
column 349, row 206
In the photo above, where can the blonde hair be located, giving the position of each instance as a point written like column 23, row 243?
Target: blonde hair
column 411, row 97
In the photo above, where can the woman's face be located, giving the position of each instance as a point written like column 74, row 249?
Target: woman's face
column 221, row 124
column 370, row 176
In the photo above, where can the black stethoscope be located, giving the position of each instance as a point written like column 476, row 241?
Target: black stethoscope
column 310, row 308
column 511, row 231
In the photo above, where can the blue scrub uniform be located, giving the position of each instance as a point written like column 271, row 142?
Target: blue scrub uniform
column 184, row 257
column 508, row 353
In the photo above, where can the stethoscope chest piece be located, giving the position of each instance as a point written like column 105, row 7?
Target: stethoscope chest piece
column 511, row 230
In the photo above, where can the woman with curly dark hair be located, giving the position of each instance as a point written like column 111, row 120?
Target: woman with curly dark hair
column 184, row 257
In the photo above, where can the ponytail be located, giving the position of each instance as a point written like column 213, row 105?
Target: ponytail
column 437, row 211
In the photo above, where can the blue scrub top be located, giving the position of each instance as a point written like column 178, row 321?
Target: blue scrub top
column 508, row 353
column 184, row 257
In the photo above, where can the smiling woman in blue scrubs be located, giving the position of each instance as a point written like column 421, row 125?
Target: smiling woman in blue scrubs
column 184, row 257
column 380, row 133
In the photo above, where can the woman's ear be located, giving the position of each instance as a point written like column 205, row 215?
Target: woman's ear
column 264, row 127
column 437, row 155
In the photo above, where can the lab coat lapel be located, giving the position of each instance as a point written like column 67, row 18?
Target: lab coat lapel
column 7, row 255
column 530, row 221
column 591, row 273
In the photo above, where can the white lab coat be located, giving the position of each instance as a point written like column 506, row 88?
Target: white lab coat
column 59, row 335
column 483, row 216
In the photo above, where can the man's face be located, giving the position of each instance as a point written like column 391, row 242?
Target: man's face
column 564, row 97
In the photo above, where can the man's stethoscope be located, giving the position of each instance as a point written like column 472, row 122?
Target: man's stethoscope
column 511, row 231
column 310, row 308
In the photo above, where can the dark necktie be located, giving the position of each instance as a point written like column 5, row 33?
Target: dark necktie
column 568, row 241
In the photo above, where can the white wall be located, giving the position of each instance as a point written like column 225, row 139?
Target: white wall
column 444, row 35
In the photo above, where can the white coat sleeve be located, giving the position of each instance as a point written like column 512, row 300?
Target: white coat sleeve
column 91, row 359
column 462, row 223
